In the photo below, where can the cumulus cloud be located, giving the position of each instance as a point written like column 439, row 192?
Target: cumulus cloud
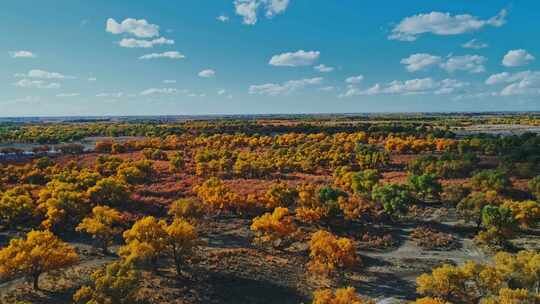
column 420, row 61
column 409, row 87
column 522, row 83
column 423, row 61
column 67, row 95
column 438, row 23
column 159, row 91
column 248, row 9
column 296, row 59
column 275, row 89
column 354, row 79
column 221, row 92
column 222, row 18
column 139, row 28
column 92, row 79
column 139, row 43
column 208, row 73
column 474, row 44
column 37, row 84
column 323, row 68
column 506, row 77
column 41, row 74
column 169, row 81
column 516, row 58
column 169, row 55
column 22, row 54
column 468, row 63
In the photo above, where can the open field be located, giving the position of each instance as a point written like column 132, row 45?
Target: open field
column 407, row 197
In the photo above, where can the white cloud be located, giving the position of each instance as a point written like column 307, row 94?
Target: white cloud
column 248, row 9
column 516, row 58
column 221, row 92
column 159, row 91
column 409, row 87
column 138, row 43
column 170, row 55
column 169, row 81
column 354, row 79
column 68, row 95
column 41, row 74
column 114, row 95
column 274, row 7
column 139, row 28
column 327, row 89
column 506, row 77
column 323, row 68
column 420, row 61
column 439, row 23
column 22, row 54
column 423, row 61
column 474, row 44
column 222, row 18
column 449, row 86
column 274, row 89
column 296, row 59
column 468, row 63
column 92, row 79
column 208, row 73
column 522, row 83
column 36, row 84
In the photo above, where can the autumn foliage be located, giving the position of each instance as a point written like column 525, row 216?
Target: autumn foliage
column 329, row 253
column 39, row 252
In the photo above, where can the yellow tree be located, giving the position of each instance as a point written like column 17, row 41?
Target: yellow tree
column 117, row 283
column 526, row 213
column 150, row 239
column 188, row 208
column 181, row 242
column 274, row 226
column 102, row 226
column 40, row 252
column 145, row 241
column 328, row 253
column 16, row 206
column 63, row 205
column 339, row 296
column 509, row 279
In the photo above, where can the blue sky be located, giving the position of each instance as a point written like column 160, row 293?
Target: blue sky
column 141, row 57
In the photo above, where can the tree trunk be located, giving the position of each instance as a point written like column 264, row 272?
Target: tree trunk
column 35, row 278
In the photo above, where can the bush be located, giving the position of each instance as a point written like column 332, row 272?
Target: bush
column 429, row 239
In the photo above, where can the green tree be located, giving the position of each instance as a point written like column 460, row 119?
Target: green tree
column 363, row 182
column 487, row 180
column 425, row 186
column 393, row 197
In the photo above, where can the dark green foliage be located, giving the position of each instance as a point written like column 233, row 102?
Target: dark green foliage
column 393, row 197
column 425, row 186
